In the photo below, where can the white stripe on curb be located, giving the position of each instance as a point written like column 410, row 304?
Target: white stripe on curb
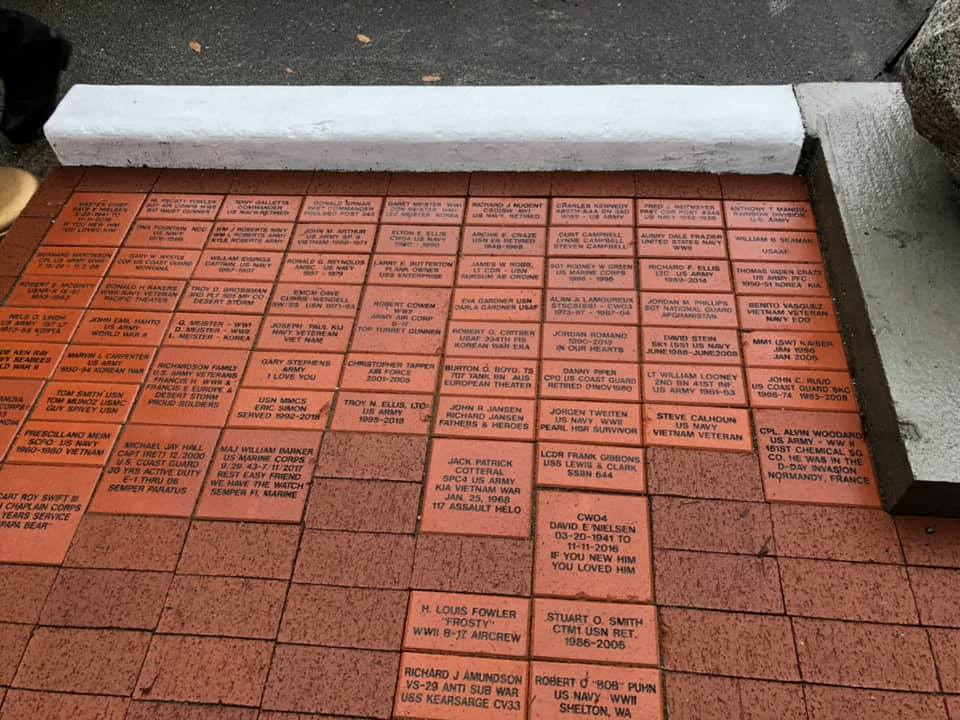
column 746, row 129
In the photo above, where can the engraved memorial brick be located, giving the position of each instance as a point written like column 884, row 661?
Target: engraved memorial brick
column 344, row 268
column 583, row 380
column 593, row 545
column 94, row 219
column 493, row 240
column 680, row 243
column 169, row 206
column 768, row 312
column 390, row 372
column 479, row 487
column 590, row 242
column 695, row 426
column 611, row 468
column 507, row 211
column 213, row 330
column 591, row 211
column 276, row 208
column 260, row 475
column 383, row 412
column 816, row 457
column 190, row 386
column 595, row 691
column 398, row 318
column 172, row 234
column 774, row 245
column 418, row 239
column 794, row 350
column 474, row 417
column 802, row 389
column 288, row 370
column 288, row 332
column 461, row 623
column 41, row 513
column 340, row 209
column 518, row 305
column 564, row 341
column 315, row 299
column 679, row 275
column 121, row 327
column 679, row 213
column 762, row 278
column 587, row 421
column 415, row 270
column 156, row 470
column 424, row 210
column 691, row 345
column 281, row 409
column 63, row 443
column 453, row 687
column 714, row 310
column 694, row 384
column 486, row 271
column 333, row 238
column 493, row 377
column 225, row 296
column 250, row 236
column 621, row 633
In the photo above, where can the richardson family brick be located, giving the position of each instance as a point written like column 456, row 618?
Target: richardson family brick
column 835, row 533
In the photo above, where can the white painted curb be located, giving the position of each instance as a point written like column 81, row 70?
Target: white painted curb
column 745, row 129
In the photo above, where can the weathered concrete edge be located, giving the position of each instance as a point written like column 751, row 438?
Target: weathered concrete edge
column 732, row 129
column 889, row 220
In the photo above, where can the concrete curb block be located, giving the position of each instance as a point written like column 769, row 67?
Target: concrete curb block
column 738, row 129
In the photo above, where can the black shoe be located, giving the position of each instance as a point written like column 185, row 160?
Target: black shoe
column 30, row 89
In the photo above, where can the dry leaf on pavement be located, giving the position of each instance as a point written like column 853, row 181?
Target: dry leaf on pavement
column 196, row 47
column 432, row 78
column 365, row 39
